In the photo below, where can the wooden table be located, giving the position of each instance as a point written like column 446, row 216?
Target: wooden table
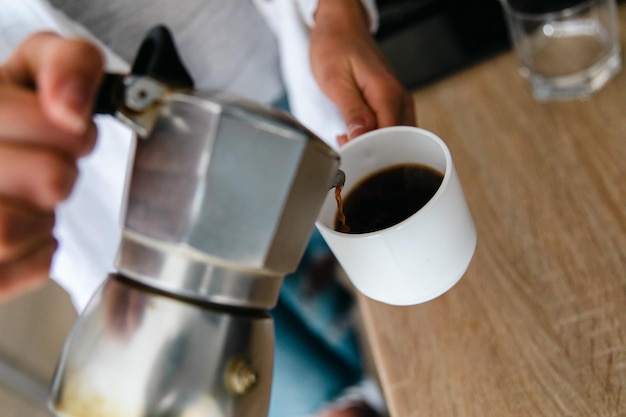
column 537, row 326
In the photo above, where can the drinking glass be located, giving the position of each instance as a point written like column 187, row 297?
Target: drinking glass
column 567, row 49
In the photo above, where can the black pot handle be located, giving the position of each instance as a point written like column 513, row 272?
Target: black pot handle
column 156, row 58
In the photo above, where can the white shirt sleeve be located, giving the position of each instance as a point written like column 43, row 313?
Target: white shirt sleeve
column 308, row 7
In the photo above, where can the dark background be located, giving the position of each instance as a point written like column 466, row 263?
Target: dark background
column 426, row 40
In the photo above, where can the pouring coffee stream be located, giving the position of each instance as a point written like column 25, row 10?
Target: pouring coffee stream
column 221, row 201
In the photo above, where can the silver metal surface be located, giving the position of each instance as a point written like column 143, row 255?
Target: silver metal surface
column 340, row 179
column 193, row 274
column 220, row 205
column 239, row 183
column 137, row 353
column 142, row 92
column 140, row 106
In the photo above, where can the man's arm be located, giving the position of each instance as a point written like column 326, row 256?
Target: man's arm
column 352, row 71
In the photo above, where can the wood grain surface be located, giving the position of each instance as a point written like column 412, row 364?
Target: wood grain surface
column 537, row 326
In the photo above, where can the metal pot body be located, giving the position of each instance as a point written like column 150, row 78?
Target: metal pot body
column 219, row 185
column 137, row 353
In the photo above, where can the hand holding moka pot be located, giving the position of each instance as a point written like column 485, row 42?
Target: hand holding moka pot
column 220, row 204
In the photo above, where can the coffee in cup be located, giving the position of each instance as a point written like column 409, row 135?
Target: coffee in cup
column 387, row 197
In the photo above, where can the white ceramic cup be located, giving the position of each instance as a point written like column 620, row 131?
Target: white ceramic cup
column 421, row 257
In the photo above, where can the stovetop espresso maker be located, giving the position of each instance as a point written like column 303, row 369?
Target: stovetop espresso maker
column 220, row 204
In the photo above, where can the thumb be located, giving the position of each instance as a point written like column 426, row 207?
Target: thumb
column 66, row 74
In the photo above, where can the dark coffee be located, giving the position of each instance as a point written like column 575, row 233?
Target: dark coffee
column 387, row 197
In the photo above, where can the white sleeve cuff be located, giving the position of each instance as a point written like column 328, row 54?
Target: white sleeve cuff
column 307, row 10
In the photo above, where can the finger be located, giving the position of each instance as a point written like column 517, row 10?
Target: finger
column 347, row 97
column 36, row 176
column 21, row 229
column 66, row 73
column 35, row 127
column 392, row 105
column 29, row 272
column 342, row 139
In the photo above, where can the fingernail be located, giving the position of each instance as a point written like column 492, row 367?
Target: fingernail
column 72, row 108
column 355, row 128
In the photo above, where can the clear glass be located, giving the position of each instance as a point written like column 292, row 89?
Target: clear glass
column 568, row 53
